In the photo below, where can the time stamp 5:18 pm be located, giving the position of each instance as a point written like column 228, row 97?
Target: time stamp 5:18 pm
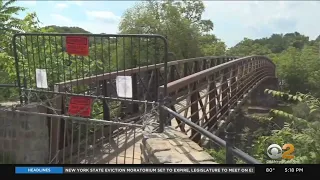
column 286, row 170
column 275, row 152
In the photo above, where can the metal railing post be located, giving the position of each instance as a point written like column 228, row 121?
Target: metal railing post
column 162, row 114
column 230, row 138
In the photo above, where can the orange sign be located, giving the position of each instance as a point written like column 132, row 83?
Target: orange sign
column 80, row 106
column 77, row 45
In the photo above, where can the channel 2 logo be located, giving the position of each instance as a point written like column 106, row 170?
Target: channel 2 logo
column 274, row 151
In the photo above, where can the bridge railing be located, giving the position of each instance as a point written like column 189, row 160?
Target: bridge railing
column 205, row 101
column 231, row 151
column 211, row 94
column 208, row 97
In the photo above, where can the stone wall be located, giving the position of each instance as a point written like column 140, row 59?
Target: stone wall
column 172, row 147
column 24, row 138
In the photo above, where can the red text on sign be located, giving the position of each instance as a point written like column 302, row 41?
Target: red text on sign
column 77, row 45
column 80, row 106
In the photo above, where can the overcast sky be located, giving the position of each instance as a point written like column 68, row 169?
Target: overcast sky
column 233, row 20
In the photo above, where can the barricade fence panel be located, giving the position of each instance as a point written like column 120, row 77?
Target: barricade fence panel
column 96, row 92
column 91, row 64
column 29, row 136
column 50, row 131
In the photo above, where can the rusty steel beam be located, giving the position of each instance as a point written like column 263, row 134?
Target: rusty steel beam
column 194, row 106
column 202, row 74
column 128, row 72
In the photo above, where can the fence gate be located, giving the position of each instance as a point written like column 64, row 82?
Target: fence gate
column 97, row 90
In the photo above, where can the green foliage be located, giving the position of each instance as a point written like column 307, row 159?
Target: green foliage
column 180, row 21
column 248, row 47
column 8, row 26
column 64, row 29
column 302, row 129
column 296, row 58
column 220, row 156
column 211, row 45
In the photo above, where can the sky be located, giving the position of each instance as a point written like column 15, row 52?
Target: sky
column 233, row 20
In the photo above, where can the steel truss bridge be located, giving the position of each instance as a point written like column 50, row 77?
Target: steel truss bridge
column 163, row 91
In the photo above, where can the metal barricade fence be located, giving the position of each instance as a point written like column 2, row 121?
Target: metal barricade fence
column 75, row 79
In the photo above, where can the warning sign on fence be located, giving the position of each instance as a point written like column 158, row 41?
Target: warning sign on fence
column 77, row 45
column 80, row 106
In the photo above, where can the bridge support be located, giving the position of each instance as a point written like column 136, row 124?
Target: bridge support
column 259, row 98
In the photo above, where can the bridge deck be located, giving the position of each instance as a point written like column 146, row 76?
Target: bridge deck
column 125, row 148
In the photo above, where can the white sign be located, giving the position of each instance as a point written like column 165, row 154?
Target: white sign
column 124, row 86
column 41, row 78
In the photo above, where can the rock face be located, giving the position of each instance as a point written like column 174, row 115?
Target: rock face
column 172, row 147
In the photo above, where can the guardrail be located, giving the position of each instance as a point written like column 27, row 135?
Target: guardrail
column 8, row 86
column 231, row 151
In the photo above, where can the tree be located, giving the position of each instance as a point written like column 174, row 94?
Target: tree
column 296, row 59
column 64, row 29
column 8, row 26
column 248, row 47
column 210, row 45
column 181, row 22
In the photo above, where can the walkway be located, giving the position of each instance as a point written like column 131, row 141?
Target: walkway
column 125, row 148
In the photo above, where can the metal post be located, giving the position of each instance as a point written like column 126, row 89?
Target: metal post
column 106, row 109
column 25, row 87
column 169, row 117
column 230, row 137
column 162, row 114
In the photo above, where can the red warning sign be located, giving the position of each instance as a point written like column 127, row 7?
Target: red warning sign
column 80, row 106
column 77, row 45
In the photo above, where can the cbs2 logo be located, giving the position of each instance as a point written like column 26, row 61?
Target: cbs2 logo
column 274, row 151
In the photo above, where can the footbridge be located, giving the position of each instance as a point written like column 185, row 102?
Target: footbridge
column 125, row 99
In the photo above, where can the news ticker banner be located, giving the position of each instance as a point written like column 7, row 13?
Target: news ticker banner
column 258, row 169
column 134, row 170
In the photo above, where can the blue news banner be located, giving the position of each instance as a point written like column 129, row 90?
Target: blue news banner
column 134, row 170
column 266, row 169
